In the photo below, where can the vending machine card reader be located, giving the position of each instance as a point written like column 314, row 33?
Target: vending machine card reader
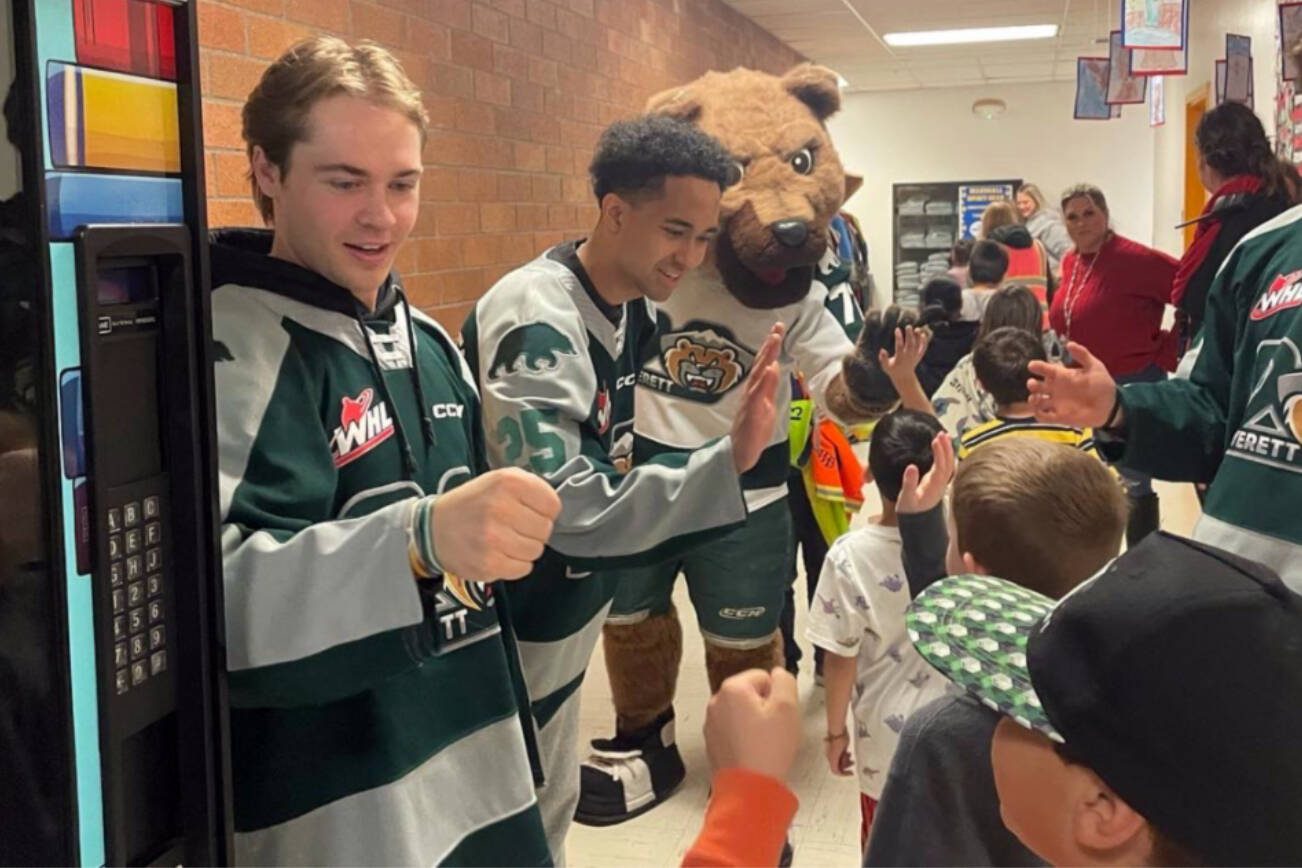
column 138, row 365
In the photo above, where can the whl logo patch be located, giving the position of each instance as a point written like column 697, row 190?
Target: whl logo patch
column 361, row 427
column 1285, row 292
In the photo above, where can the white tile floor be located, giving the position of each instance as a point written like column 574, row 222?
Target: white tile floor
column 826, row 829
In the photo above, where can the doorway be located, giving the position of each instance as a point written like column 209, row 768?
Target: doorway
column 1195, row 197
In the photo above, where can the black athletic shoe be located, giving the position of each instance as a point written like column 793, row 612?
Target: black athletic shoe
column 629, row 774
column 788, row 854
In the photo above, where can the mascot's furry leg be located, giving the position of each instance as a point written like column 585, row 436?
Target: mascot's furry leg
column 640, row 767
column 721, row 663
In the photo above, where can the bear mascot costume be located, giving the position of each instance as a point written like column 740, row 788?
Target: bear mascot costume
column 770, row 263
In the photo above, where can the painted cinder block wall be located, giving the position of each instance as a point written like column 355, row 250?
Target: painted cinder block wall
column 517, row 92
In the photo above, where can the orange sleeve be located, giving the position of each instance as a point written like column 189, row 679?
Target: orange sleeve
column 745, row 822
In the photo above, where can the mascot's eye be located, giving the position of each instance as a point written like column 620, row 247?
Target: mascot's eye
column 736, row 172
column 803, row 161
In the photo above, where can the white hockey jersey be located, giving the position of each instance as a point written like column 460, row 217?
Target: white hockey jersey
column 690, row 389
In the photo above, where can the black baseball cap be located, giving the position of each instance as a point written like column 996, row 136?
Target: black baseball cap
column 1175, row 674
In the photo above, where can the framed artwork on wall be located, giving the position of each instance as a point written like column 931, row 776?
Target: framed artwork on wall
column 1161, row 61
column 1123, row 88
column 1157, row 101
column 1092, row 89
column 1154, row 24
column 1238, row 68
column 1290, row 31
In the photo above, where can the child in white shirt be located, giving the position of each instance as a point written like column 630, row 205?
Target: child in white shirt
column 857, row 618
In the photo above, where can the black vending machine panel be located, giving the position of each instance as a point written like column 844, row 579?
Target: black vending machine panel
column 135, row 295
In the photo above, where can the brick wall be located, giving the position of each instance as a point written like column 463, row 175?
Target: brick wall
column 517, row 92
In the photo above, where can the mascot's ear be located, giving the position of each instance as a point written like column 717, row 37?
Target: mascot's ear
column 816, row 87
column 681, row 103
column 852, row 184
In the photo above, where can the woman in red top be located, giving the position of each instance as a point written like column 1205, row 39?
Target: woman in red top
column 1112, row 299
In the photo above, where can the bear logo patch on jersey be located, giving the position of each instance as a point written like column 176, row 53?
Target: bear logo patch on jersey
column 1284, row 292
column 361, row 427
column 534, row 347
column 700, row 362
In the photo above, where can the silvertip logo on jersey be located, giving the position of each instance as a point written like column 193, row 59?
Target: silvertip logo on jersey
column 603, row 410
column 1272, row 434
column 1284, row 292
column 472, row 595
column 700, row 362
column 361, row 427
column 535, row 347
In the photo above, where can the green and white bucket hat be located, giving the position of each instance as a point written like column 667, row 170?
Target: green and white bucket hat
column 974, row 629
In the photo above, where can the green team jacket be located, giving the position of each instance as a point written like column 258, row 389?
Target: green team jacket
column 375, row 719
column 1233, row 416
column 557, row 367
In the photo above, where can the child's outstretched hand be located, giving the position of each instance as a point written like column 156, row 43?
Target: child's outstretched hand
column 922, row 493
column 838, row 754
column 910, row 346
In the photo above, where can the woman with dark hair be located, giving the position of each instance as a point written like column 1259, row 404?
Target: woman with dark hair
column 960, row 402
column 1248, row 186
column 951, row 336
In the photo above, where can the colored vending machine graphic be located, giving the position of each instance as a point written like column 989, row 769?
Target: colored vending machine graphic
column 113, row 119
column 76, row 199
column 107, row 120
column 126, row 35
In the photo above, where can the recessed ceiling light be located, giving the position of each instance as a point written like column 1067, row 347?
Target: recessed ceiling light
column 971, row 34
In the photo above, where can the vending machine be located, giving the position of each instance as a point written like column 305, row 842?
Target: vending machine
column 113, row 746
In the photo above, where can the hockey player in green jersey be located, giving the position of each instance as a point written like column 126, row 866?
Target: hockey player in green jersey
column 376, row 697
column 556, row 346
column 1232, row 415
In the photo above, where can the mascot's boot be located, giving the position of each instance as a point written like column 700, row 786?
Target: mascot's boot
column 640, row 767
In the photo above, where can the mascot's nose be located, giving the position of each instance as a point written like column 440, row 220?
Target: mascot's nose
column 792, row 233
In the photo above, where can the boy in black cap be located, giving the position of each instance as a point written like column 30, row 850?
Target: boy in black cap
column 1150, row 716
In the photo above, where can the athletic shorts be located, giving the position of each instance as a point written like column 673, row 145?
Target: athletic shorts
column 737, row 582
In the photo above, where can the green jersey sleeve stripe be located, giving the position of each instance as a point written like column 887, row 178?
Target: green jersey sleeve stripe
column 289, row 600
column 605, row 517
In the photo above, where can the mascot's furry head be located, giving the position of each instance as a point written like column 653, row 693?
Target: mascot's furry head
column 775, row 219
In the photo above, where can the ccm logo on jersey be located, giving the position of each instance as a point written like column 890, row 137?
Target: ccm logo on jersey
column 1285, row 292
column 361, row 427
column 448, row 411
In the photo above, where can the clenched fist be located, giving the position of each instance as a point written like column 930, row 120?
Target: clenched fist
column 493, row 527
column 753, row 722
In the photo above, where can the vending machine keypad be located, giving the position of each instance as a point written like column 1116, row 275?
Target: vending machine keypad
column 135, row 542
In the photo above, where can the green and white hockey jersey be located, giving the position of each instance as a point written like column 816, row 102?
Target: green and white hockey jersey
column 366, row 705
column 1236, row 420
column 556, row 366
column 690, row 386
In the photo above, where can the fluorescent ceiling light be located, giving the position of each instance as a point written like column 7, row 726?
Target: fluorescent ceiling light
column 971, row 34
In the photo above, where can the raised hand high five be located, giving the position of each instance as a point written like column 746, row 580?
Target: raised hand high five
column 1082, row 395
